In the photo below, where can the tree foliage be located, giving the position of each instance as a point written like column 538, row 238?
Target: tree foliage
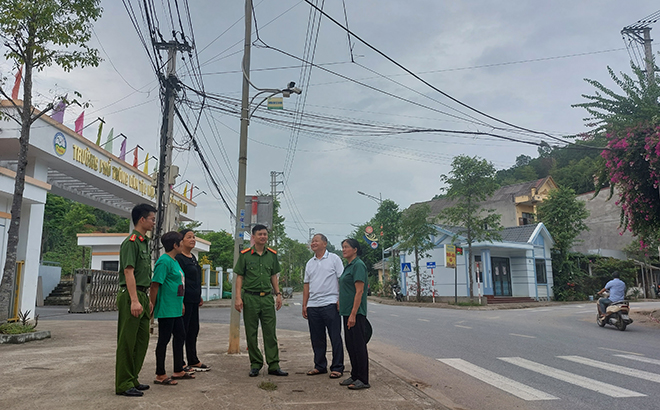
column 415, row 233
column 564, row 217
column 221, row 252
column 470, row 182
column 38, row 34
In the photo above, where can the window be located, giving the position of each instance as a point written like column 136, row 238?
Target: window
column 110, row 265
column 541, row 276
column 526, row 219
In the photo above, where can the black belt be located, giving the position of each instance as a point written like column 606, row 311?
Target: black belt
column 257, row 293
column 142, row 289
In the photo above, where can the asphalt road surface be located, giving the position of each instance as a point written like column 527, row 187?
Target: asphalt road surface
column 538, row 358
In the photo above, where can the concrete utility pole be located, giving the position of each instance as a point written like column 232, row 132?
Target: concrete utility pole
column 273, row 192
column 648, row 53
column 235, row 318
column 167, row 216
column 640, row 33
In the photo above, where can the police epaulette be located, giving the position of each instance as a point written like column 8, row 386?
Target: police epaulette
column 132, row 238
column 246, row 250
column 272, row 250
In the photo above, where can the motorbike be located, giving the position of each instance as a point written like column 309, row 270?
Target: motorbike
column 617, row 315
column 396, row 291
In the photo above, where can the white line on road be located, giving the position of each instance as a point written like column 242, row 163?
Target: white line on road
column 423, row 320
column 639, row 359
column 620, row 351
column 464, row 327
column 503, row 383
column 640, row 374
column 394, row 315
column 494, row 317
column 516, row 334
column 585, row 382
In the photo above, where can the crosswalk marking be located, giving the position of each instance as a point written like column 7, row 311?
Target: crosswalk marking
column 585, row 382
column 510, row 386
column 640, row 374
column 620, row 351
column 639, row 359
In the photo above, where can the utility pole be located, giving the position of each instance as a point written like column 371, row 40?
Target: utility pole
column 648, row 52
column 166, row 216
column 235, row 318
column 640, row 32
column 273, row 193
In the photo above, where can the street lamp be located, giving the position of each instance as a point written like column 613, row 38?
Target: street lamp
column 378, row 199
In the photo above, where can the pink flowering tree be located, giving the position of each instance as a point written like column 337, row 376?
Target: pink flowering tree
column 630, row 123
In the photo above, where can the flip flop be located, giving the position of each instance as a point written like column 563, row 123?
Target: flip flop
column 166, row 382
column 336, row 375
column 185, row 376
column 201, row 368
column 314, row 372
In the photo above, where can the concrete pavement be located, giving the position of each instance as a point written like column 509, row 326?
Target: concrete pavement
column 75, row 370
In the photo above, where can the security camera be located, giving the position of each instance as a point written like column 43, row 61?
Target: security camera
column 296, row 90
column 291, row 85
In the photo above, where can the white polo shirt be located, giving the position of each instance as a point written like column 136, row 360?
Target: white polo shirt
column 323, row 278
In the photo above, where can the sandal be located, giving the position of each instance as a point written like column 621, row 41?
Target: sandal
column 184, row 376
column 314, row 372
column 166, row 382
column 346, row 382
column 358, row 385
column 200, row 368
column 336, row 375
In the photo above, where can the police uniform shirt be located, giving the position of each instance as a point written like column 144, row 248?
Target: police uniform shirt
column 256, row 269
column 134, row 251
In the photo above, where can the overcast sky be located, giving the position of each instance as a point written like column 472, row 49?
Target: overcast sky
column 507, row 59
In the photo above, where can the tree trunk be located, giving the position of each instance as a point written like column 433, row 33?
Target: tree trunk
column 419, row 281
column 470, row 270
column 19, row 186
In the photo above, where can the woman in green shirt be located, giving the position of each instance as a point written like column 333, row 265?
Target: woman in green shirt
column 353, row 309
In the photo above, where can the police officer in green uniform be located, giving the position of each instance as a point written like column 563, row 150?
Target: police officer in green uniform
column 133, row 303
column 257, row 268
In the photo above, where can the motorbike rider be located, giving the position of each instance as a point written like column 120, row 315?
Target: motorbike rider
column 617, row 289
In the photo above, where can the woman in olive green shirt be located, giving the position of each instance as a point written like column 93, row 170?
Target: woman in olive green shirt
column 353, row 309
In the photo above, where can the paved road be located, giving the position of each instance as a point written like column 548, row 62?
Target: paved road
column 538, row 358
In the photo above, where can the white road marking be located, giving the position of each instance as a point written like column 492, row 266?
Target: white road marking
column 503, row 383
column 640, row 374
column 586, row 311
column 494, row 317
column 394, row 315
column 620, row 351
column 639, row 359
column 464, row 327
column 516, row 334
column 423, row 320
column 585, row 382
column 296, row 303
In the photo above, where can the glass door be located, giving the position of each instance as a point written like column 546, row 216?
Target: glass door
column 501, row 276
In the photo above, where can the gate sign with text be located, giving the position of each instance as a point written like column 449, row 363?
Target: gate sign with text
column 430, row 265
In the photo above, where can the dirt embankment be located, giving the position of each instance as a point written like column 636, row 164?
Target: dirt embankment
column 646, row 317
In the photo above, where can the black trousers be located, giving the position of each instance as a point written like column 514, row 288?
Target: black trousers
column 319, row 319
column 191, row 325
column 356, row 345
column 167, row 328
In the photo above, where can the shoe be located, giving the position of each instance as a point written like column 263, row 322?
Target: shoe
column 254, row 372
column 346, row 382
column 358, row 385
column 142, row 387
column 201, row 368
column 132, row 392
column 278, row 372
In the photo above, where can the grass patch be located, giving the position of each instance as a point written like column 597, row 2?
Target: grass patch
column 16, row 328
column 268, row 386
column 466, row 304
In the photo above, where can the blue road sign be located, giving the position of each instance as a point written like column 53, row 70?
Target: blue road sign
column 430, row 265
column 406, row 267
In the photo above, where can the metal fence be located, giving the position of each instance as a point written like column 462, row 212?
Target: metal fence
column 94, row 291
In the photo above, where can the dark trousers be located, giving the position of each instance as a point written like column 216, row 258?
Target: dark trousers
column 356, row 345
column 319, row 319
column 191, row 325
column 167, row 328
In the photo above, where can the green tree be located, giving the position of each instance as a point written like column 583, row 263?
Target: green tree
column 293, row 257
column 470, row 182
column 564, row 217
column 415, row 233
column 38, row 34
column 221, row 252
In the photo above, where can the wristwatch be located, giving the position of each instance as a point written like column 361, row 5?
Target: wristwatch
column 278, row 294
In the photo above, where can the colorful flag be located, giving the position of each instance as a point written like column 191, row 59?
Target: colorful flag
column 98, row 136
column 17, row 83
column 58, row 111
column 79, row 123
column 135, row 159
column 122, row 150
column 108, row 141
column 191, row 189
column 185, row 190
column 146, row 164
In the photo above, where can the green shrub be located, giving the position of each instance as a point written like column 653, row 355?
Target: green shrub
column 15, row 328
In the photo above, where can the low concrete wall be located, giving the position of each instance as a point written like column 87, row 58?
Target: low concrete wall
column 24, row 337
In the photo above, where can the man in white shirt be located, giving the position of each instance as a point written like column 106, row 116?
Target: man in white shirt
column 321, row 306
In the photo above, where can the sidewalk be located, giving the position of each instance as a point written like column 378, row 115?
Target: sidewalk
column 75, row 370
